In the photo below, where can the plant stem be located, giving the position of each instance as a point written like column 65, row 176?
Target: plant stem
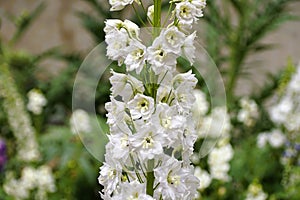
column 157, row 18
column 150, row 178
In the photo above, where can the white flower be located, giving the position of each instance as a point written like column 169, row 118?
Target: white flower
column 173, row 39
column 217, row 124
column 186, row 80
column 279, row 113
column 141, row 106
column 248, row 112
column 218, row 161
column 112, row 25
column 148, row 142
column 150, row 13
column 80, row 122
column 255, row 192
column 125, row 85
column 200, row 106
column 186, row 12
column 117, row 5
column 174, row 180
column 160, row 57
column 36, row 101
column 135, row 60
column 188, row 47
column 132, row 29
column 262, row 139
column 204, row 178
column 116, row 48
column 132, row 191
column 110, row 175
column 276, row 138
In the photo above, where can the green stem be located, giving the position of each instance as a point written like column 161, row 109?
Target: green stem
column 157, row 18
column 150, row 178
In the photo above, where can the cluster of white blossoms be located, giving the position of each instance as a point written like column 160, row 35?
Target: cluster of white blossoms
column 287, row 111
column 36, row 101
column 215, row 126
column 255, row 192
column 248, row 112
column 31, row 179
column 152, row 131
column 275, row 138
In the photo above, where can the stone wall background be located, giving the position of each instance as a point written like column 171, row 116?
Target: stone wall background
column 58, row 26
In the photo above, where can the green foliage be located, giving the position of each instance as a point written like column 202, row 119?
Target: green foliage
column 236, row 27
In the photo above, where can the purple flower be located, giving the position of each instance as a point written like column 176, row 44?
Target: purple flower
column 3, row 157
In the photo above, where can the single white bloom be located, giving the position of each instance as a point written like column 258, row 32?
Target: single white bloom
column 248, row 112
column 173, row 39
column 262, row 140
column 188, row 47
column 201, row 105
column 117, row 5
column 36, row 101
column 204, row 178
column 217, row 124
column 132, row 29
column 112, row 25
column 186, row 80
column 276, row 138
column 141, row 106
column 279, row 113
column 160, row 57
column 125, row 85
column 255, row 192
column 150, row 13
column 148, row 142
column 80, row 122
column 116, row 47
column 185, row 11
column 135, row 60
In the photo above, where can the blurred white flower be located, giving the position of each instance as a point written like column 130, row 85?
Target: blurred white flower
column 204, row 178
column 150, row 13
column 255, row 192
column 80, row 122
column 218, row 161
column 262, row 139
column 275, row 138
column 248, row 112
column 36, row 101
column 117, row 5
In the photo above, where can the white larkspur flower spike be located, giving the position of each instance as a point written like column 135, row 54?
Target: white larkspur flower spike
column 151, row 124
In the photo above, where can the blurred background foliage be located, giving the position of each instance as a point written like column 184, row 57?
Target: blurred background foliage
column 233, row 31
